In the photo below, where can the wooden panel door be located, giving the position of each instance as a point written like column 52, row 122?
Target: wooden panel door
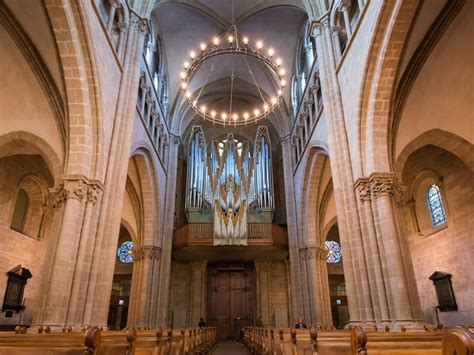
column 230, row 293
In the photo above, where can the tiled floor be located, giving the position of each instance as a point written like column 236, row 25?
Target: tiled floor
column 226, row 348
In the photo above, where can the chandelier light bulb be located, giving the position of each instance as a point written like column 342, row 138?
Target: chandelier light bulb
column 224, row 116
column 216, row 41
column 195, row 103
column 278, row 61
column 203, row 47
column 230, row 39
column 246, row 116
column 271, row 52
column 203, row 108
column 235, row 116
column 186, row 65
column 274, row 100
column 188, row 94
column 184, row 85
column 283, row 83
column 279, row 92
column 259, row 45
column 256, row 112
column 246, row 40
column 282, row 72
column 192, row 54
column 265, row 107
column 213, row 114
column 183, row 75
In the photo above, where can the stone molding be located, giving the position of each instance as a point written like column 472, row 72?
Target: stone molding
column 75, row 187
column 379, row 184
column 386, row 184
column 313, row 252
column 150, row 252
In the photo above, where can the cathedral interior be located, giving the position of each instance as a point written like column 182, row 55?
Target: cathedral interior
column 285, row 162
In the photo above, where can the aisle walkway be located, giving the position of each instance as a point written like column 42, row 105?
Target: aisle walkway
column 226, row 348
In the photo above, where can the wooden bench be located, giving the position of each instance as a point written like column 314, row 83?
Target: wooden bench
column 118, row 342
column 71, row 343
column 396, row 343
column 459, row 341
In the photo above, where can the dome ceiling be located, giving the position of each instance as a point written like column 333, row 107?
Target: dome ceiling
column 182, row 26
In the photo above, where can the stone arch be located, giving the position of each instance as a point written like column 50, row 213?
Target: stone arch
column 143, row 162
column 442, row 139
column 317, row 158
column 130, row 230
column 21, row 142
column 77, row 65
column 378, row 91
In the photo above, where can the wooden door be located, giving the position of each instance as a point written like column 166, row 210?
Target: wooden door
column 230, row 293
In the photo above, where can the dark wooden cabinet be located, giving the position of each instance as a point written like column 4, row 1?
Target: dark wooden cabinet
column 231, row 292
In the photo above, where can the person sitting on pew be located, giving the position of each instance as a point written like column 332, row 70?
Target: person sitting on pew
column 300, row 324
column 202, row 323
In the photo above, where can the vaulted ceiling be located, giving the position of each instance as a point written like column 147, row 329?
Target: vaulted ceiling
column 183, row 25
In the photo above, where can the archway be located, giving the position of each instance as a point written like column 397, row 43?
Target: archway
column 122, row 281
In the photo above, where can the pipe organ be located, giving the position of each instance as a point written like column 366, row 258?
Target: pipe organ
column 229, row 184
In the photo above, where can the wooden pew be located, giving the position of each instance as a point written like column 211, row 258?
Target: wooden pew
column 117, row 342
column 395, row 343
column 459, row 341
column 71, row 343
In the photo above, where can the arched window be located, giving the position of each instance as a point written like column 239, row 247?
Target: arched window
column 125, row 252
column 20, row 211
column 334, row 252
column 435, row 206
column 294, row 96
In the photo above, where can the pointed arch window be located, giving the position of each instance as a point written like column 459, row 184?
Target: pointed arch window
column 125, row 252
column 435, row 206
column 20, row 211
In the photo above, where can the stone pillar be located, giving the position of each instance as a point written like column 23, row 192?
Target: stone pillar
column 167, row 233
column 296, row 300
column 69, row 203
column 318, row 284
column 262, row 275
column 146, row 265
column 403, row 297
column 198, row 301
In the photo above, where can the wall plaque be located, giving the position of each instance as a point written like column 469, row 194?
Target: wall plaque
column 444, row 291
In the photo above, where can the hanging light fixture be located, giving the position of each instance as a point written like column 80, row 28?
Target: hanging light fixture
column 223, row 45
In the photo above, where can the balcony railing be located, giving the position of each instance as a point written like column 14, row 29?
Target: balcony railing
column 201, row 234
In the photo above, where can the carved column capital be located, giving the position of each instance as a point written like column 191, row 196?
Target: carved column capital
column 123, row 26
column 142, row 26
column 362, row 187
column 150, row 252
column 386, row 184
column 93, row 192
column 313, row 253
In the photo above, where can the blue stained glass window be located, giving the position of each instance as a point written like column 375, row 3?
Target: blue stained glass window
column 334, row 252
column 125, row 252
column 435, row 205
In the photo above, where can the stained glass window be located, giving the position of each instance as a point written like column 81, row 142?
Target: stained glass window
column 334, row 252
column 125, row 252
column 435, row 205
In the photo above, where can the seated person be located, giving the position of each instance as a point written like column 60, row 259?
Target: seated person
column 300, row 324
column 202, row 323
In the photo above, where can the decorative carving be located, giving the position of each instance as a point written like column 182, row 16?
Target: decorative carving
column 147, row 251
column 59, row 197
column 78, row 191
column 385, row 184
column 362, row 187
column 142, row 25
column 123, row 27
column 313, row 252
column 93, row 193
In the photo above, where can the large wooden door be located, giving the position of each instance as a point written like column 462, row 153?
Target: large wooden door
column 230, row 293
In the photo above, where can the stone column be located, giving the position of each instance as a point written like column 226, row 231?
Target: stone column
column 69, row 202
column 145, row 266
column 198, row 296
column 403, row 297
column 371, row 241
column 262, row 275
column 105, row 243
column 318, row 284
column 167, row 233
column 296, row 300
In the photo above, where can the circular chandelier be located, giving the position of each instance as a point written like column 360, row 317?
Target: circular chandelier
column 231, row 43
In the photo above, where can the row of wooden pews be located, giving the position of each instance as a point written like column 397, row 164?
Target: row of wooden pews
column 93, row 341
column 357, row 341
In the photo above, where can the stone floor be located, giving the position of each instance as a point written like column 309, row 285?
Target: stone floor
column 226, row 348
